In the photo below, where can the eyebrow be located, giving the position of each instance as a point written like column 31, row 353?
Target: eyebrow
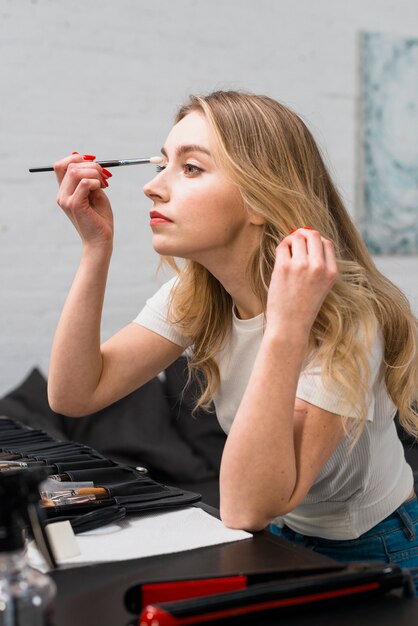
column 184, row 149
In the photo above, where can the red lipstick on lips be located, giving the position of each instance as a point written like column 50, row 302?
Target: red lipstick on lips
column 158, row 218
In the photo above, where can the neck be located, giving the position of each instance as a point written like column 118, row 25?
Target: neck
column 248, row 310
column 234, row 279
column 230, row 266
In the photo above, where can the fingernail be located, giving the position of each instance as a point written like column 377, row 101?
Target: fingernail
column 106, row 172
column 308, row 228
column 88, row 157
column 106, row 184
column 74, row 152
column 293, row 231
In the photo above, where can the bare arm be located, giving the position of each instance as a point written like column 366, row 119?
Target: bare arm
column 85, row 376
column 277, row 444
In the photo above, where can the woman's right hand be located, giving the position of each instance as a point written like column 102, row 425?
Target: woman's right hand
column 82, row 198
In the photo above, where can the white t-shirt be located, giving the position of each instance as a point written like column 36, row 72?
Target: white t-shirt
column 356, row 488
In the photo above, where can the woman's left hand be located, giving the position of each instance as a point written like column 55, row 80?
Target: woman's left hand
column 304, row 272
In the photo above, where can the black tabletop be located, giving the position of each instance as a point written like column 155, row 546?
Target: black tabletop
column 94, row 594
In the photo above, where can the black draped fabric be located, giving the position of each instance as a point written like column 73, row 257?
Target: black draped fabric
column 152, row 427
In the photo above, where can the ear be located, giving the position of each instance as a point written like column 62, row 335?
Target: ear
column 255, row 218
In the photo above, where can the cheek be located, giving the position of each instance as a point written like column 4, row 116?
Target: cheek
column 190, row 198
column 212, row 205
column 197, row 205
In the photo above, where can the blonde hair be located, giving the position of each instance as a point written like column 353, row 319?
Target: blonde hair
column 270, row 154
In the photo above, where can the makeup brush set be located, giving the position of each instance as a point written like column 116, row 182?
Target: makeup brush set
column 82, row 485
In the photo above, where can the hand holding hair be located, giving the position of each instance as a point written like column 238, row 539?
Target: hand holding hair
column 304, row 272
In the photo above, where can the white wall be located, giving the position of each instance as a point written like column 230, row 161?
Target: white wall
column 106, row 77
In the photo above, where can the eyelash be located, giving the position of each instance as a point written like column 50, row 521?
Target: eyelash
column 197, row 170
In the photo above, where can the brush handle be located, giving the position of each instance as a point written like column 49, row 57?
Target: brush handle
column 87, row 491
column 110, row 163
column 119, row 162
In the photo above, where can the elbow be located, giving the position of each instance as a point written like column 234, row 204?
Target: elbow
column 61, row 408
column 248, row 520
column 249, row 526
column 255, row 508
column 255, row 516
column 65, row 407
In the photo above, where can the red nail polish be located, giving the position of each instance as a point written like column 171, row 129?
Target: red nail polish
column 106, row 184
column 88, row 157
column 293, row 231
column 106, row 172
column 308, row 228
column 74, row 152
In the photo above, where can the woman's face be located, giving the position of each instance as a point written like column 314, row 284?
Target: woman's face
column 197, row 212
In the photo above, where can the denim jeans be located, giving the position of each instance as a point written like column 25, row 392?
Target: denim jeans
column 393, row 540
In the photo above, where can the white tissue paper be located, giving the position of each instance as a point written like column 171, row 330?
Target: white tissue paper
column 147, row 535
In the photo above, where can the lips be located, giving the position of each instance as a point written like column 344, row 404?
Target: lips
column 158, row 218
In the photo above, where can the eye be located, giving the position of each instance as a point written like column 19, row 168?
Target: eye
column 160, row 168
column 190, row 169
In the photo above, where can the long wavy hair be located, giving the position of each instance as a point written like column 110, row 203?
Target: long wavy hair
column 268, row 151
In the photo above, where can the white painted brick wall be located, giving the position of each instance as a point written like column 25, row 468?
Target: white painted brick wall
column 106, row 77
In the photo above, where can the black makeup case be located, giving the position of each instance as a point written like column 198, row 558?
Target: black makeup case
column 126, row 490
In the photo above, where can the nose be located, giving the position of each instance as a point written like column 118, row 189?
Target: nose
column 156, row 188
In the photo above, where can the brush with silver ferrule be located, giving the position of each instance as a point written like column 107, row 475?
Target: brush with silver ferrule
column 108, row 163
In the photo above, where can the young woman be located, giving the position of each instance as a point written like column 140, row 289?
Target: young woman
column 305, row 348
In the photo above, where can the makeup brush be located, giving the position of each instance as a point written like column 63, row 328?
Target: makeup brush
column 65, row 501
column 98, row 492
column 108, row 163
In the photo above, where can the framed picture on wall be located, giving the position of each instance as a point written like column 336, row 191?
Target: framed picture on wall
column 389, row 143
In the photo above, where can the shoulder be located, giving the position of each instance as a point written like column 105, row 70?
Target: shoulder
column 156, row 315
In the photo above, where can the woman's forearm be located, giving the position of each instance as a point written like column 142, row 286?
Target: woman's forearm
column 258, row 470
column 76, row 362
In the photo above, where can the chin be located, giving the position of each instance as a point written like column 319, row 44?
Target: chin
column 164, row 248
